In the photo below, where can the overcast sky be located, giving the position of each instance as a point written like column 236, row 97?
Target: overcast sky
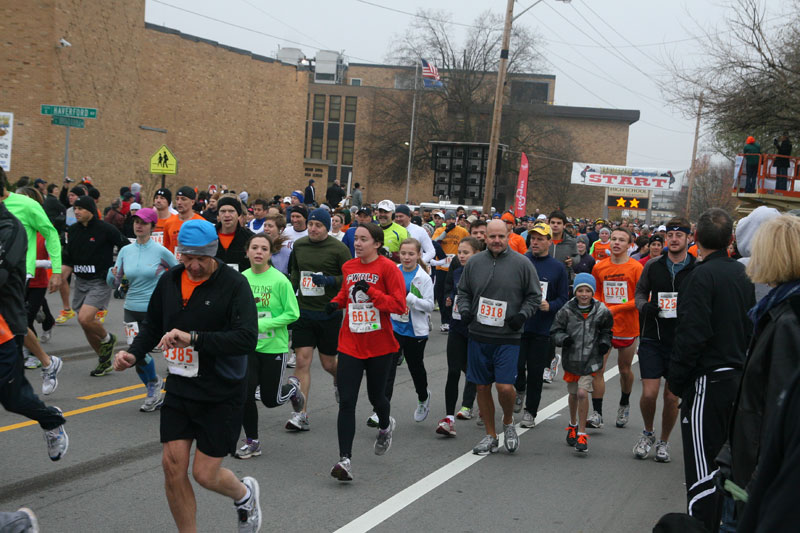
column 613, row 57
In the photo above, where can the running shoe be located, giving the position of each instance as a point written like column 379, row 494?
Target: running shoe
column 518, row 401
column 291, row 360
column 44, row 338
column 547, row 376
column 298, row 422
column 572, row 435
column 662, row 452
column 57, row 441
column 32, row 519
column 554, row 364
column 528, row 420
column 297, row 398
column 487, row 445
column 444, row 328
column 643, row 446
column 250, row 448
column 373, row 421
column 107, row 348
column 257, row 393
column 103, row 367
column 623, row 412
column 595, row 420
column 50, row 375
column 154, row 397
column 342, row 470
column 384, row 439
column 465, row 413
column 423, row 408
column 65, row 315
column 582, row 444
column 446, row 428
column 510, row 437
column 100, row 316
column 480, row 420
column 249, row 513
column 32, row 362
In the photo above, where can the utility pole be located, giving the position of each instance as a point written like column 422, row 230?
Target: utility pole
column 694, row 156
column 494, row 138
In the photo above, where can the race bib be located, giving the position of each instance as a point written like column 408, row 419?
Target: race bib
column 182, row 361
column 668, row 304
column 543, row 286
column 158, row 237
column 363, row 318
column 233, row 266
column 307, row 287
column 401, row 318
column 492, row 312
column 131, row 330
column 270, row 333
column 455, row 314
column 615, row 292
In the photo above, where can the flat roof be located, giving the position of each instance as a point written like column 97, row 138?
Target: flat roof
column 407, row 67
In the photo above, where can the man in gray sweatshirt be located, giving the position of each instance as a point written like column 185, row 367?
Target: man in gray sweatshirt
column 498, row 291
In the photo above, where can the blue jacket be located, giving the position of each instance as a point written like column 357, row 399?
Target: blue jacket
column 554, row 273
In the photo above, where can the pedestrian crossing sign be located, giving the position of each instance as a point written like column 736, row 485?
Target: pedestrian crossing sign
column 163, row 161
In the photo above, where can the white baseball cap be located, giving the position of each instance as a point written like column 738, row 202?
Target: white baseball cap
column 386, row 205
column 287, row 199
column 541, row 217
column 662, row 228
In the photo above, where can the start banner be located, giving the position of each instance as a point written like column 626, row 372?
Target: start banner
column 654, row 179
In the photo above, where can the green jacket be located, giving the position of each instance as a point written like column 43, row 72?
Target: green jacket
column 753, row 148
column 276, row 305
column 393, row 235
column 325, row 257
column 34, row 220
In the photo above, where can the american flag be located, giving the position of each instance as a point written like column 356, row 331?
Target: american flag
column 430, row 75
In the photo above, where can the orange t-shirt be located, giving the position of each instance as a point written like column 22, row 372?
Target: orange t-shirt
column 187, row 287
column 517, row 243
column 450, row 241
column 225, row 239
column 626, row 316
column 557, row 241
column 171, row 229
column 5, row 331
column 693, row 250
column 600, row 249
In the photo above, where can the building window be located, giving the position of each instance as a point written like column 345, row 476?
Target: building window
column 350, row 109
column 316, row 148
column 347, row 152
column 335, row 109
column 333, row 149
column 356, row 82
column 319, row 107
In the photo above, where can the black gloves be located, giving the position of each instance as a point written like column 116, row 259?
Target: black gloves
column 322, row 281
column 516, row 322
column 466, row 317
column 360, row 286
column 450, row 226
column 331, row 307
column 567, row 342
column 651, row 308
column 604, row 348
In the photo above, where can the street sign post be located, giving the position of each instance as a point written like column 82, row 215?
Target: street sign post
column 67, row 121
column 69, row 111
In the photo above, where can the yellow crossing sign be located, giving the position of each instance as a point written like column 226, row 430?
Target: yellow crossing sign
column 163, row 161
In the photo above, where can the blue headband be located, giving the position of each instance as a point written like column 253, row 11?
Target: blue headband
column 686, row 230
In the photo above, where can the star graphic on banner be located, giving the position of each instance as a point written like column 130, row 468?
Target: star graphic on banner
column 620, row 202
column 635, row 203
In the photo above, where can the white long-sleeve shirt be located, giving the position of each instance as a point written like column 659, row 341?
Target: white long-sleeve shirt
column 428, row 251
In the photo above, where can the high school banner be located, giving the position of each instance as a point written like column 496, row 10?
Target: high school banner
column 521, row 197
column 654, row 179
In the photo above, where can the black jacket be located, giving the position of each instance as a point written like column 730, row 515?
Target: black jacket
column 783, row 148
column 90, row 249
column 235, row 254
column 309, row 195
column 772, row 359
column 586, row 264
column 334, row 195
column 13, row 251
column 656, row 278
column 223, row 312
column 713, row 327
column 56, row 212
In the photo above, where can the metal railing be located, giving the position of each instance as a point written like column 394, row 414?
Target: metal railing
column 768, row 176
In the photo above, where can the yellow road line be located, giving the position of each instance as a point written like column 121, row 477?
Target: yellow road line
column 110, row 392
column 78, row 411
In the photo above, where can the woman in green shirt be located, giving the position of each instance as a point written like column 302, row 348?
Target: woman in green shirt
column 277, row 308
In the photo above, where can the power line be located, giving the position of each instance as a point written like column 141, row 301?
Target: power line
column 273, row 17
column 620, row 34
column 417, row 15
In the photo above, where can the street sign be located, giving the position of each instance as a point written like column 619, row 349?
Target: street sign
column 68, row 111
column 6, row 134
column 67, row 121
column 163, row 161
column 627, row 202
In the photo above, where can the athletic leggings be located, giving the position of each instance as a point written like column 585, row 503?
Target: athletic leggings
column 536, row 353
column 349, row 373
column 145, row 369
column 265, row 370
column 414, row 350
column 35, row 297
column 456, row 364
column 440, row 296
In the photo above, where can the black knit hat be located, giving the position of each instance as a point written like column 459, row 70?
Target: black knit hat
column 86, row 202
column 233, row 202
column 166, row 193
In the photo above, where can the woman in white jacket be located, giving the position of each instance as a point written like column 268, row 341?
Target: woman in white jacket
column 411, row 329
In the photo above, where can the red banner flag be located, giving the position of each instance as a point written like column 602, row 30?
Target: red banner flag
column 521, row 197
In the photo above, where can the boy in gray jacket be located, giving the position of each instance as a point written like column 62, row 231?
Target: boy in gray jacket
column 583, row 329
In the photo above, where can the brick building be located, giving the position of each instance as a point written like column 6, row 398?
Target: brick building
column 230, row 116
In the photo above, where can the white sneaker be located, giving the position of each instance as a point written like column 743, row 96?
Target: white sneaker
column 373, row 421
column 44, row 338
column 31, row 361
column 291, row 360
column 50, row 375
column 662, row 452
column 554, row 364
column 547, row 377
column 423, row 408
column 257, row 393
column 249, row 513
column 298, row 422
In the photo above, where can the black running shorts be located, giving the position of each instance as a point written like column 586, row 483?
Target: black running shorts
column 654, row 359
column 215, row 426
column 320, row 334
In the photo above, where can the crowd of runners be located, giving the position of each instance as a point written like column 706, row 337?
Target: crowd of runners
column 229, row 294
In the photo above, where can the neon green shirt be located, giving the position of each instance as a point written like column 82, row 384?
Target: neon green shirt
column 277, row 307
column 35, row 220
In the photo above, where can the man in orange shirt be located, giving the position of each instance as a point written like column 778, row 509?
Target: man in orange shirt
column 448, row 236
column 616, row 283
column 515, row 241
column 184, row 200
column 161, row 203
column 601, row 247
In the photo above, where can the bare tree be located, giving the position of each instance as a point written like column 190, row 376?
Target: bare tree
column 712, row 187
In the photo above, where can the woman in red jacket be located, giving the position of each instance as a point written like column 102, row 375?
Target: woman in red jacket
column 372, row 289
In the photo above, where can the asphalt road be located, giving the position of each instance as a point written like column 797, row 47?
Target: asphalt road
column 111, row 478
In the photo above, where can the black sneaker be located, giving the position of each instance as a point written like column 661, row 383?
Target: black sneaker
column 103, row 367
column 572, row 435
column 107, row 348
column 582, row 444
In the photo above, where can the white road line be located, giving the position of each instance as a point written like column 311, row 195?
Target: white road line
column 409, row 495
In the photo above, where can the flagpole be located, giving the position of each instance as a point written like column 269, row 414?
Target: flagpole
column 411, row 137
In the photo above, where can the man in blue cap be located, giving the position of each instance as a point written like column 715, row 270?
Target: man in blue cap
column 202, row 315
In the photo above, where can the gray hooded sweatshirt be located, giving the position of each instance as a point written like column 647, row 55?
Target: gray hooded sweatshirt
column 745, row 231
